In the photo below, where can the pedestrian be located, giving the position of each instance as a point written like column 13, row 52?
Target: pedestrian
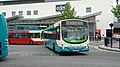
column 97, row 37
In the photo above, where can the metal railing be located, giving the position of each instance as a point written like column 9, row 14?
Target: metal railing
column 112, row 42
column 92, row 38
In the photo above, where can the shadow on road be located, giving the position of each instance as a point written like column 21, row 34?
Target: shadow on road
column 3, row 59
column 68, row 53
column 72, row 54
column 6, row 59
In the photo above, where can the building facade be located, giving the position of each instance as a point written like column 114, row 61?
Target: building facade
column 97, row 12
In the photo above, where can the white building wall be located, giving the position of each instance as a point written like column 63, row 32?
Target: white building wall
column 47, row 9
column 106, row 17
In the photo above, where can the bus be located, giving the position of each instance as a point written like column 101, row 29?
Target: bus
column 69, row 35
column 3, row 37
column 25, row 37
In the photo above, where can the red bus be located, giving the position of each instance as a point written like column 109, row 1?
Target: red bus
column 25, row 37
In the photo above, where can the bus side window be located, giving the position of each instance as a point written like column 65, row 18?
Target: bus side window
column 17, row 36
column 10, row 35
column 30, row 35
column 13, row 35
column 38, row 35
column 58, row 36
column 26, row 35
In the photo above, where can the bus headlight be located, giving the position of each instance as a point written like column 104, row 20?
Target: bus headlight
column 63, row 47
column 6, row 43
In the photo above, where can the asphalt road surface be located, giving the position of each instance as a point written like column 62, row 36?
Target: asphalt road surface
column 39, row 56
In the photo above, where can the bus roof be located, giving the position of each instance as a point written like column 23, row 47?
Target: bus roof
column 52, row 26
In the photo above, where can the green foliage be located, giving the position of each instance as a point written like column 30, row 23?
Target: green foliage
column 116, row 12
column 68, row 13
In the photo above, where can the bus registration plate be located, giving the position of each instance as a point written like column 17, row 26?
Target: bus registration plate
column 75, row 50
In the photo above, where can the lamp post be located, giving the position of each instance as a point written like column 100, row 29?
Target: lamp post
column 111, row 25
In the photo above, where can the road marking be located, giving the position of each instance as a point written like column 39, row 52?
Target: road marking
column 31, row 53
column 26, row 52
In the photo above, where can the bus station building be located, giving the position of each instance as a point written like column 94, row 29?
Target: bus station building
column 96, row 12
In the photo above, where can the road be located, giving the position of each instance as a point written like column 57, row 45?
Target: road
column 39, row 56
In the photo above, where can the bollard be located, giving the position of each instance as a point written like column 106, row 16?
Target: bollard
column 119, row 43
column 111, row 42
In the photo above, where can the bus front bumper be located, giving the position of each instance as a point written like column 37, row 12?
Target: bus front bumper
column 75, row 49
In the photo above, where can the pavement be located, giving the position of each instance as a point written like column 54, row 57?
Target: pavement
column 115, row 46
column 109, row 48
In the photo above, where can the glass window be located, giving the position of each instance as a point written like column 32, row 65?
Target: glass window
column 91, row 29
column 4, row 13
column 13, row 13
column 34, row 35
column 53, row 34
column 49, row 36
column 88, row 9
column 35, row 12
column 28, row 12
column 20, row 12
column 74, row 34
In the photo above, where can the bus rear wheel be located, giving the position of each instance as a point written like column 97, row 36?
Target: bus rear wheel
column 31, row 43
column 54, row 47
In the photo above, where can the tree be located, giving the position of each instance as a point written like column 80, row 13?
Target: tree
column 68, row 12
column 116, row 12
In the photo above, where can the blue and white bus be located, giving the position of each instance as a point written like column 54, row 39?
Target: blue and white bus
column 3, row 37
column 69, row 35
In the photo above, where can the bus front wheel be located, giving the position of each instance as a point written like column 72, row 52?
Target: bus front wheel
column 54, row 47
